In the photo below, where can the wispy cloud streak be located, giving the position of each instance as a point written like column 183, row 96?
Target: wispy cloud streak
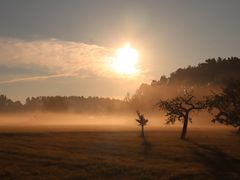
column 60, row 58
column 34, row 78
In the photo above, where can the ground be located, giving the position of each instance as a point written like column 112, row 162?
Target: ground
column 206, row 154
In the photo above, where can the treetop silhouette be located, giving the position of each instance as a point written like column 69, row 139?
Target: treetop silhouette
column 142, row 122
column 179, row 109
column 227, row 105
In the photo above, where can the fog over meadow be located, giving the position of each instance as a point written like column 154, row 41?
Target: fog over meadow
column 43, row 121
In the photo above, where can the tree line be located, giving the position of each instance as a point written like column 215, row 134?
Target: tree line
column 64, row 104
column 204, row 78
column 212, row 71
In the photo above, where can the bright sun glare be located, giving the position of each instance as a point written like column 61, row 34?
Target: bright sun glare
column 126, row 60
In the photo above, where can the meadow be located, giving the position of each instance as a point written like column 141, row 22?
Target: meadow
column 119, row 154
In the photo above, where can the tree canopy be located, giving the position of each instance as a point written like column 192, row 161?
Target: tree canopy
column 179, row 108
column 212, row 71
column 227, row 105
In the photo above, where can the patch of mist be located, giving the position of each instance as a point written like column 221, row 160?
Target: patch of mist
column 94, row 122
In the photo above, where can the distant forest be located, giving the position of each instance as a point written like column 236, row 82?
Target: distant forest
column 204, row 78
column 65, row 104
column 212, row 71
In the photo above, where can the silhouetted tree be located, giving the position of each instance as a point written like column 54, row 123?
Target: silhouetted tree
column 163, row 81
column 179, row 108
column 227, row 105
column 142, row 122
column 7, row 105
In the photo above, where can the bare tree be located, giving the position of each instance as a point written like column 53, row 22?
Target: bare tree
column 179, row 108
column 142, row 122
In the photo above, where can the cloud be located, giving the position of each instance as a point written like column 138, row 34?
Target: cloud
column 59, row 58
column 33, row 78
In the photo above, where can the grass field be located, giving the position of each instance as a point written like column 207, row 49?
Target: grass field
column 207, row 154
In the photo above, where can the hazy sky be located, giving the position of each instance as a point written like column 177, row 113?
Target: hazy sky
column 64, row 47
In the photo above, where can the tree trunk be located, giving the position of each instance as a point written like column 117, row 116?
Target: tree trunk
column 142, row 133
column 184, row 130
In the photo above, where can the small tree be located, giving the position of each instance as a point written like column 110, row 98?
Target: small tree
column 227, row 105
column 142, row 122
column 179, row 109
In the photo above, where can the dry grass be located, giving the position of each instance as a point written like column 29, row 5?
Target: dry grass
column 208, row 154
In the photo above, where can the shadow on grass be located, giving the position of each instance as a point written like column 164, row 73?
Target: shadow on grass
column 147, row 146
column 219, row 164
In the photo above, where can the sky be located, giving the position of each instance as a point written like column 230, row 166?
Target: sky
column 66, row 47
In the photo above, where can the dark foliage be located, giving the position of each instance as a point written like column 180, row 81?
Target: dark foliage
column 179, row 108
column 227, row 105
column 212, row 71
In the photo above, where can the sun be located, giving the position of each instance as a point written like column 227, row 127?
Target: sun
column 126, row 60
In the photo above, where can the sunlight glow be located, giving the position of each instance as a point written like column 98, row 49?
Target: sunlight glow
column 126, row 60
